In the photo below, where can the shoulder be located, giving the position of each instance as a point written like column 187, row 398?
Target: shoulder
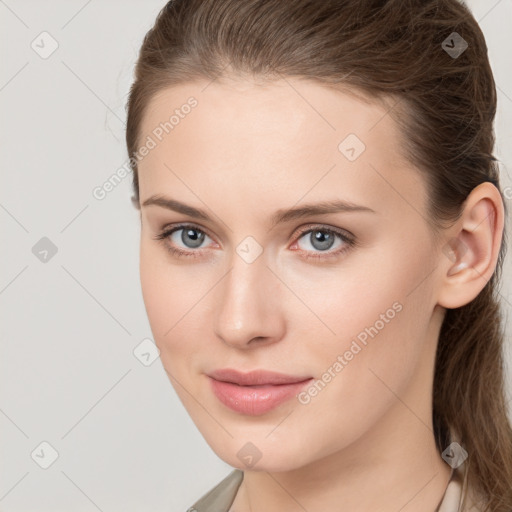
column 220, row 497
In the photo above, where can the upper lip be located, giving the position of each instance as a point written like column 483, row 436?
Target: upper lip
column 255, row 377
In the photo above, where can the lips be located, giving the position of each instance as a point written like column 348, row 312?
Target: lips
column 256, row 377
column 256, row 392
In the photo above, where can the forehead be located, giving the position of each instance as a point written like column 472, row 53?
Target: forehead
column 286, row 134
column 281, row 107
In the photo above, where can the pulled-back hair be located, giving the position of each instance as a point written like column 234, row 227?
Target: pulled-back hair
column 444, row 105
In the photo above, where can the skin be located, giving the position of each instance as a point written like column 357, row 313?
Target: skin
column 247, row 150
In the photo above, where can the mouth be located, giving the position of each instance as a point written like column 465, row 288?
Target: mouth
column 256, row 392
column 255, row 377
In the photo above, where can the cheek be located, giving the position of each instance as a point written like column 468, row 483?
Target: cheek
column 380, row 329
column 155, row 291
column 169, row 297
column 375, row 314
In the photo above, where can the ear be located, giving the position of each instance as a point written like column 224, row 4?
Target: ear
column 468, row 259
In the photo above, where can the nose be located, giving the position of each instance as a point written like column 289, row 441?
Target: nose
column 249, row 310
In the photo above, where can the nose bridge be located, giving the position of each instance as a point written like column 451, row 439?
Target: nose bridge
column 247, row 304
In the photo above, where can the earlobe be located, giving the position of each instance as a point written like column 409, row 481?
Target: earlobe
column 469, row 258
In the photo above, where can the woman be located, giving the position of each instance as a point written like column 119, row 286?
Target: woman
column 321, row 239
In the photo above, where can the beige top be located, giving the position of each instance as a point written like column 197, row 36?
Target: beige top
column 221, row 497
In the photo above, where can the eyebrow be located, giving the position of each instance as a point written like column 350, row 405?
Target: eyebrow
column 280, row 216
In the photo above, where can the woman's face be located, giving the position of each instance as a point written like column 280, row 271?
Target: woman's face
column 346, row 298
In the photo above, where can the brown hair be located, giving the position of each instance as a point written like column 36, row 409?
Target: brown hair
column 445, row 105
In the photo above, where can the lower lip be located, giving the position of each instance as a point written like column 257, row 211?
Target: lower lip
column 255, row 400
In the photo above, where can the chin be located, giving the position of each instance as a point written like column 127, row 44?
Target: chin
column 256, row 456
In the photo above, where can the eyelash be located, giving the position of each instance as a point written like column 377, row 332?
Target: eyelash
column 349, row 241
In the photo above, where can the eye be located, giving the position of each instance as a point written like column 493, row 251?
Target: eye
column 320, row 239
column 191, row 236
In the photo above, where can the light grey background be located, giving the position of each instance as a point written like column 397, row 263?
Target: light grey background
column 69, row 376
